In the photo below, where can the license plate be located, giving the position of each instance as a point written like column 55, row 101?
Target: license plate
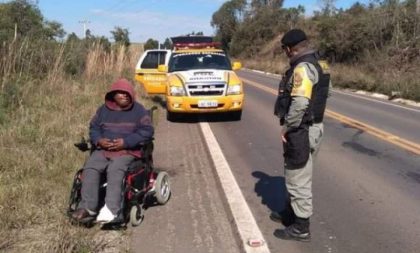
column 207, row 103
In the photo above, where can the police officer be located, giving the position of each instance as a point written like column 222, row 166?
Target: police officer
column 300, row 106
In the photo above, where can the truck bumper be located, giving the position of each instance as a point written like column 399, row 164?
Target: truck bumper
column 191, row 104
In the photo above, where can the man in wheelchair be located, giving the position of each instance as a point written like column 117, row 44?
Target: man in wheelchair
column 116, row 131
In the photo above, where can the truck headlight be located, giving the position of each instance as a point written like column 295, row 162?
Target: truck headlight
column 234, row 89
column 177, row 91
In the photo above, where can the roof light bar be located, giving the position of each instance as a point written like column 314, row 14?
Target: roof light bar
column 197, row 45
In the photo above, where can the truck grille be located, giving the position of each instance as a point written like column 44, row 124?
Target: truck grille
column 206, row 89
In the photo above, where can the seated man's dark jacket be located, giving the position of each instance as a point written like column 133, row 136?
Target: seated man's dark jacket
column 133, row 124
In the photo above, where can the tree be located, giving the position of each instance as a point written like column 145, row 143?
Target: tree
column 88, row 34
column 227, row 19
column 195, row 33
column 167, row 44
column 328, row 7
column 26, row 19
column 151, row 44
column 54, row 30
column 256, row 4
column 72, row 38
column 121, row 36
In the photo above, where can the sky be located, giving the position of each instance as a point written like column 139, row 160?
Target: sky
column 144, row 19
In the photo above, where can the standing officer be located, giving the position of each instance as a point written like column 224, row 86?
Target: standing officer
column 301, row 102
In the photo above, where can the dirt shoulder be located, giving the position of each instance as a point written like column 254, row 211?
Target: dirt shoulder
column 194, row 219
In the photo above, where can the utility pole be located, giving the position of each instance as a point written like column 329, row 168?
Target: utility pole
column 84, row 22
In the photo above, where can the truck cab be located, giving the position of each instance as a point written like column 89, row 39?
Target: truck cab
column 147, row 74
column 201, row 79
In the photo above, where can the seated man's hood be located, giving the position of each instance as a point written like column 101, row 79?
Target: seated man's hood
column 120, row 85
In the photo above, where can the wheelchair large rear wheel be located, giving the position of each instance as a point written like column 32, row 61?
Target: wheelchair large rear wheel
column 163, row 188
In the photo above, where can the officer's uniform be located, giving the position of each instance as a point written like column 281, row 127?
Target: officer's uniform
column 302, row 115
column 316, row 130
column 297, row 121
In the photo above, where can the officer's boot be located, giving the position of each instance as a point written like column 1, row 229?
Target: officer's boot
column 298, row 231
column 286, row 216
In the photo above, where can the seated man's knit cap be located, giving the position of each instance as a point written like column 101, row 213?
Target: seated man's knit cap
column 293, row 37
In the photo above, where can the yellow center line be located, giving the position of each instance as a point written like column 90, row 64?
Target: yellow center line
column 396, row 140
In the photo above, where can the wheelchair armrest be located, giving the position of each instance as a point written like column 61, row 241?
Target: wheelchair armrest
column 84, row 146
column 146, row 145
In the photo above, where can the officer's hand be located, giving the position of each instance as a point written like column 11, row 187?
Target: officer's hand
column 283, row 135
column 117, row 144
column 104, row 143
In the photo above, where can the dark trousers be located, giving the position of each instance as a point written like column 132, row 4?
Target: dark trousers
column 115, row 169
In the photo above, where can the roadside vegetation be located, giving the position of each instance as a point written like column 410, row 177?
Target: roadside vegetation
column 49, row 89
column 373, row 47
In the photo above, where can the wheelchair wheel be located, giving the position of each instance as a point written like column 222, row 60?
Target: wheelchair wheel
column 75, row 194
column 136, row 215
column 163, row 188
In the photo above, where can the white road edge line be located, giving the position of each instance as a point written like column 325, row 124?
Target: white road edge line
column 244, row 220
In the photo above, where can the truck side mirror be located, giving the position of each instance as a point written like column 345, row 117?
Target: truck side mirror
column 163, row 68
column 236, row 65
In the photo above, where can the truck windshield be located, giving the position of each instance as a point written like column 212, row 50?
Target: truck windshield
column 187, row 61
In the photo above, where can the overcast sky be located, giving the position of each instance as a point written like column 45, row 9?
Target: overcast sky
column 157, row 19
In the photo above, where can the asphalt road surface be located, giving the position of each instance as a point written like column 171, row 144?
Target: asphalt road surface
column 366, row 189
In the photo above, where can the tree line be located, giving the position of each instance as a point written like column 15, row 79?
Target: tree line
column 342, row 35
column 21, row 20
column 380, row 41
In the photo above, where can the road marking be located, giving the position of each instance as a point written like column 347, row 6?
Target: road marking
column 396, row 140
column 244, row 220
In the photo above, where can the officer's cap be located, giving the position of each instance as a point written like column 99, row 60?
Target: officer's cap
column 293, row 37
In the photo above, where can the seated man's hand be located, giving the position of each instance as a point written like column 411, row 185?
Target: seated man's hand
column 117, row 145
column 105, row 143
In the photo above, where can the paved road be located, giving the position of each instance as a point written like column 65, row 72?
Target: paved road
column 403, row 121
column 366, row 190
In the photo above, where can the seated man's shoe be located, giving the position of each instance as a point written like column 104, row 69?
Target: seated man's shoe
column 82, row 214
column 298, row 231
column 105, row 215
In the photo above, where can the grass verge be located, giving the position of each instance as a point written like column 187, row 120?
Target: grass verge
column 40, row 119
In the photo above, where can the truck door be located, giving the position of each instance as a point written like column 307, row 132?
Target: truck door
column 154, row 82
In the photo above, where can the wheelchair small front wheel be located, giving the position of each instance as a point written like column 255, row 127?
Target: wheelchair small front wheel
column 163, row 188
column 136, row 215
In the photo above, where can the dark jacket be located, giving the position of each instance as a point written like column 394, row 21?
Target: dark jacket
column 133, row 123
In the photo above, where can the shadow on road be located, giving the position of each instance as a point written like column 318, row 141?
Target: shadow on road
column 272, row 190
column 203, row 117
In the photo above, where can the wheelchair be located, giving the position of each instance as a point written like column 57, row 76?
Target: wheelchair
column 143, row 186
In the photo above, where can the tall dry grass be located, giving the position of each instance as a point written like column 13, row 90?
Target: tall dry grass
column 42, row 114
column 271, row 64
